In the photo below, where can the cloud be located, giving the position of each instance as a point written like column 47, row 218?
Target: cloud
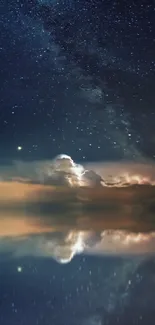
column 116, row 242
column 54, row 209
column 63, row 246
column 60, row 246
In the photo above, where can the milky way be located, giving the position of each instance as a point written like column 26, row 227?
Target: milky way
column 105, row 84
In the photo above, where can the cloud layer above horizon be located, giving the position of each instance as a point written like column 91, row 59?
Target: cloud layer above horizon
column 59, row 209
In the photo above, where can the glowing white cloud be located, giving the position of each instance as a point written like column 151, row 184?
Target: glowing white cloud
column 64, row 169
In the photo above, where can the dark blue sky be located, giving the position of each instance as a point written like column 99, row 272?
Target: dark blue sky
column 77, row 79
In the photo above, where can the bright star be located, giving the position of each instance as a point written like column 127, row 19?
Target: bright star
column 19, row 148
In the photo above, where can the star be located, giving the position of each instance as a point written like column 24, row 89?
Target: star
column 19, row 148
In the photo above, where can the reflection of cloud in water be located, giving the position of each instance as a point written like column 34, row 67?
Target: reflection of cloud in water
column 59, row 209
column 60, row 246
column 64, row 246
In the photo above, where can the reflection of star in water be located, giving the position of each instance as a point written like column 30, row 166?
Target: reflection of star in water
column 19, row 269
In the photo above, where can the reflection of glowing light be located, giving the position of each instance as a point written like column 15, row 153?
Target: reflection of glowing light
column 74, row 244
column 76, row 239
column 136, row 238
column 126, row 238
column 78, row 245
column 112, row 241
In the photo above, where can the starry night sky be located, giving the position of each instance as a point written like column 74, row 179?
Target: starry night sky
column 77, row 78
